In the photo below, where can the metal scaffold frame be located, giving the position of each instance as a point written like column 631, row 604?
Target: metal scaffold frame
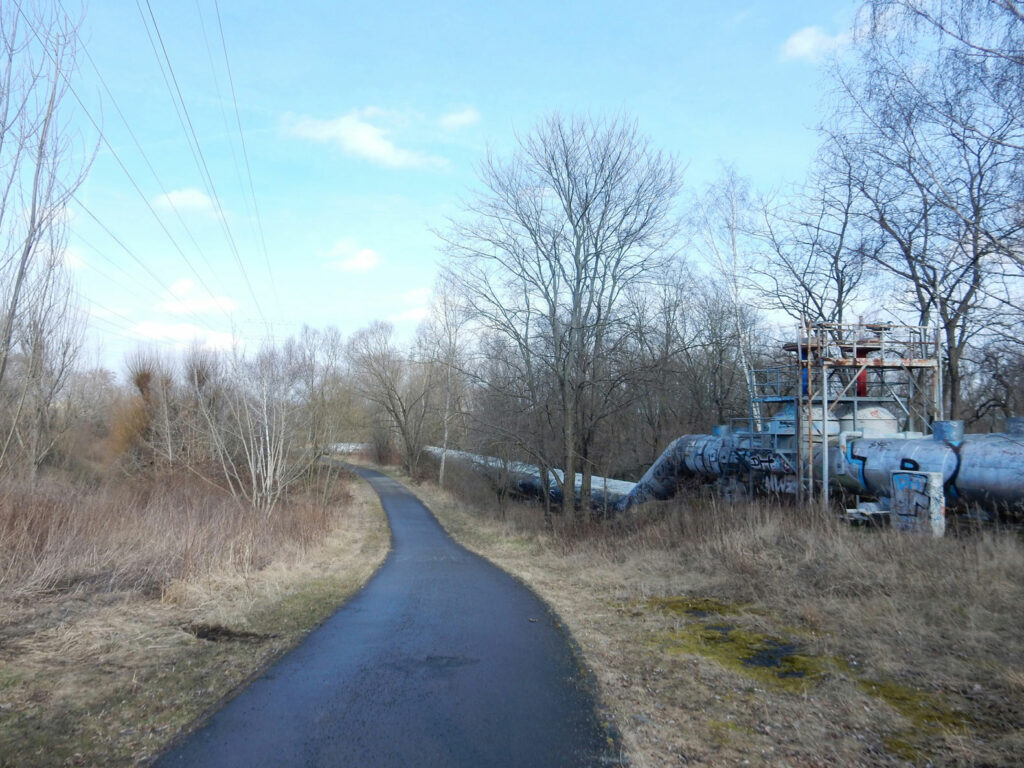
column 845, row 367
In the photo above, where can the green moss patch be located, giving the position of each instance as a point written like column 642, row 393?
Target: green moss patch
column 929, row 714
column 783, row 663
column 694, row 606
column 771, row 660
column 925, row 710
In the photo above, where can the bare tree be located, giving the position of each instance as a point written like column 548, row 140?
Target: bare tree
column 400, row 385
column 256, row 425
column 580, row 212
column 319, row 357
column 49, row 339
column 39, row 170
column 40, row 327
column 935, row 152
column 723, row 219
column 153, row 376
column 986, row 36
column 444, row 345
column 817, row 253
column 661, row 334
column 995, row 391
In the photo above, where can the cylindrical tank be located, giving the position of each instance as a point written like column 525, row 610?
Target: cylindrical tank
column 948, row 431
column 869, row 422
column 988, row 471
column 991, row 471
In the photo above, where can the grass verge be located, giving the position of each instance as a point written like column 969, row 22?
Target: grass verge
column 756, row 636
column 110, row 676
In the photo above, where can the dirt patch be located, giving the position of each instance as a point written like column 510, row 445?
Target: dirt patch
column 110, row 678
column 216, row 633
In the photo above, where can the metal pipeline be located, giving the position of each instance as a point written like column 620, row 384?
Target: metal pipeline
column 526, row 479
column 985, row 471
column 686, row 456
column 982, row 470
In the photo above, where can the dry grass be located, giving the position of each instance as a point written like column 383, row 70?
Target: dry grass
column 127, row 615
column 896, row 650
column 61, row 537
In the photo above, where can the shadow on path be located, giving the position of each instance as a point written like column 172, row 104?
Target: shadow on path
column 441, row 660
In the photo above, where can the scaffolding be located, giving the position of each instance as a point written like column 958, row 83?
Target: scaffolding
column 841, row 374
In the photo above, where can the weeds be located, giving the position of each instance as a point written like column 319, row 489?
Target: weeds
column 62, row 537
column 130, row 610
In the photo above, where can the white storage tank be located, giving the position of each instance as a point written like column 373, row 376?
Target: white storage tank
column 871, row 422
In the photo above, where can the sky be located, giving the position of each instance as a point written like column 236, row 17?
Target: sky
column 357, row 134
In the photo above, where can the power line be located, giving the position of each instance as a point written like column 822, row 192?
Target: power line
column 189, row 129
column 145, row 157
column 197, row 157
column 245, row 153
column 116, row 157
column 133, row 289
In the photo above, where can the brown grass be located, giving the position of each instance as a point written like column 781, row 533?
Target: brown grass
column 905, row 650
column 59, row 537
column 127, row 612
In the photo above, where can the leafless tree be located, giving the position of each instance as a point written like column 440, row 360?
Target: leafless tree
column 40, row 165
column 257, row 426
column 443, row 341
column 661, row 333
column 995, row 391
column 49, row 340
column 40, row 168
column 724, row 223
column 580, row 212
column 396, row 382
column 935, row 154
column 985, row 36
column 817, row 254
column 319, row 357
column 153, row 377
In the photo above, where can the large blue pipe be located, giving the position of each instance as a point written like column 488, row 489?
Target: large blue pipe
column 986, row 471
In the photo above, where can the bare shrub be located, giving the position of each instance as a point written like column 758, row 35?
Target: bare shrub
column 58, row 537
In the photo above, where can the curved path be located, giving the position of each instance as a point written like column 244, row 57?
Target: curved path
column 441, row 660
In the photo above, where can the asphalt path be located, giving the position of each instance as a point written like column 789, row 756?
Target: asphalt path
column 441, row 660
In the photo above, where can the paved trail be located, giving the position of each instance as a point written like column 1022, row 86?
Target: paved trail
column 441, row 660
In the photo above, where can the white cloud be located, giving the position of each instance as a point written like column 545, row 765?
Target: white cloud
column 188, row 299
column 414, row 315
column 347, row 256
column 813, row 44
column 460, row 119
column 356, row 135
column 183, row 334
column 185, row 200
column 417, row 303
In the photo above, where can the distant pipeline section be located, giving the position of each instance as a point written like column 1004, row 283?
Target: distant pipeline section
column 525, row 479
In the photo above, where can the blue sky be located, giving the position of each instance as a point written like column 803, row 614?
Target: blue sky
column 363, row 124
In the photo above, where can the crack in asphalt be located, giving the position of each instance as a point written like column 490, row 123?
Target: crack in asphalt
column 442, row 659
